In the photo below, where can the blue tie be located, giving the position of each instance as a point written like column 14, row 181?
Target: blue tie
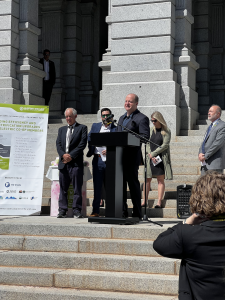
column 206, row 136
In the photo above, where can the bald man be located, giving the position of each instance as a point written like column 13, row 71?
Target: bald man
column 212, row 151
column 134, row 120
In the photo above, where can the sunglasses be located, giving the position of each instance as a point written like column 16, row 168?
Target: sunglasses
column 105, row 116
column 153, row 121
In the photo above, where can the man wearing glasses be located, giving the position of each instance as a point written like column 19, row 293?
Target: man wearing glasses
column 99, row 157
column 134, row 120
column 49, row 79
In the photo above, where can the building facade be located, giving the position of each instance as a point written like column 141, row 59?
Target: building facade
column 170, row 53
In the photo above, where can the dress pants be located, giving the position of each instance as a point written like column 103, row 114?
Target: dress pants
column 75, row 175
column 99, row 167
column 204, row 170
column 47, row 90
column 130, row 176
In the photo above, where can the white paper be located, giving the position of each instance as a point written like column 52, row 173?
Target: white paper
column 158, row 158
column 100, row 149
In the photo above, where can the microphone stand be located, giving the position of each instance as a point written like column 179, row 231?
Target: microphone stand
column 145, row 141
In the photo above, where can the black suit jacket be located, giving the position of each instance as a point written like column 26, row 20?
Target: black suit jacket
column 202, row 250
column 139, row 123
column 52, row 74
column 96, row 127
column 77, row 145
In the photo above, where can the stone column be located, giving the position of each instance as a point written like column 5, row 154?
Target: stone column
column 142, row 48
column 202, row 50
column 87, row 90
column 72, row 56
column 52, row 12
column 105, row 64
column 9, row 47
column 185, row 64
column 217, row 85
column 29, row 71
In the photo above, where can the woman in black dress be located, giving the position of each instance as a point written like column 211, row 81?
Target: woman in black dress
column 160, row 135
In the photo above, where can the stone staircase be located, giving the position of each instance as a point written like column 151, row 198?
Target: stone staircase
column 185, row 164
column 48, row 258
column 65, row 259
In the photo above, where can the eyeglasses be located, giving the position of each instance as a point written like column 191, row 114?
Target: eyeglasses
column 105, row 116
column 153, row 121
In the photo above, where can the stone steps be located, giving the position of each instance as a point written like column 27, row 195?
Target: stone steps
column 81, row 245
column 89, row 261
column 37, row 293
column 42, row 257
column 91, row 280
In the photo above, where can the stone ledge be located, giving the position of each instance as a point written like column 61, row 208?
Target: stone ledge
column 135, row 2
column 138, row 283
column 38, row 293
column 28, row 26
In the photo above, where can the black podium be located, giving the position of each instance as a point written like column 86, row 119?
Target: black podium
column 115, row 143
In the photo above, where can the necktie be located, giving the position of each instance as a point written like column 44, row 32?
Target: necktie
column 206, row 136
column 69, row 137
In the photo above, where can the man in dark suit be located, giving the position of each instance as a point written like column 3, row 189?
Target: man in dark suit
column 49, row 79
column 134, row 120
column 99, row 162
column 70, row 143
column 200, row 242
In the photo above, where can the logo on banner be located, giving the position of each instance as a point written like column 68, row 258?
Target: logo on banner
column 32, row 198
column 7, row 184
column 10, row 198
column 1, row 197
column 23, row 198
column 22, row 108
column 10, row 191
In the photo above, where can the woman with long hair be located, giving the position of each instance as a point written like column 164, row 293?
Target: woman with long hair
column 160, row 135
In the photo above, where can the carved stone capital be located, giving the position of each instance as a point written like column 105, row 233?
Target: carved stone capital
column 51, row 5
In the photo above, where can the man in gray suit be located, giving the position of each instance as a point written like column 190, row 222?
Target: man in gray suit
column 212, row 150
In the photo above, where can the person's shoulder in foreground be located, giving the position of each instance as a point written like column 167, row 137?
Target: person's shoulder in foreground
column 200, row 242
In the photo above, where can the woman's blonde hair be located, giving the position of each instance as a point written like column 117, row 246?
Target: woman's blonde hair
column 208, row 195
column 159, row 117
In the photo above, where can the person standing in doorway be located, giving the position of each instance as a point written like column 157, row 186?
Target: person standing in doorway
column 49, row 79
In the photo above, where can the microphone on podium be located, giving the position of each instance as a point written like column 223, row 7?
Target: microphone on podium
column 108, row 120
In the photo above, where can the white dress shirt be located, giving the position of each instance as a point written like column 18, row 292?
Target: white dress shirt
column 68, row 137
column 103, row 130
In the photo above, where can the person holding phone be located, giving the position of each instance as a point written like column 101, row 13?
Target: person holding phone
column 158, row 159
column 200, row 241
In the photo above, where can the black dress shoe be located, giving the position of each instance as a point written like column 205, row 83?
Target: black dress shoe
column 62, row 213
column 158, row 206
column 77, row 214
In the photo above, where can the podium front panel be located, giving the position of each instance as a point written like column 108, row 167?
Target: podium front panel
column 120, row 139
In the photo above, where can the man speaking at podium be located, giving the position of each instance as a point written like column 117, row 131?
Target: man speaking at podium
column 134, row 120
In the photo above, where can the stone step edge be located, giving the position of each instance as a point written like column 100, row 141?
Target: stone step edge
column 64, row 278
column 76, row 245
column 29, row 291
